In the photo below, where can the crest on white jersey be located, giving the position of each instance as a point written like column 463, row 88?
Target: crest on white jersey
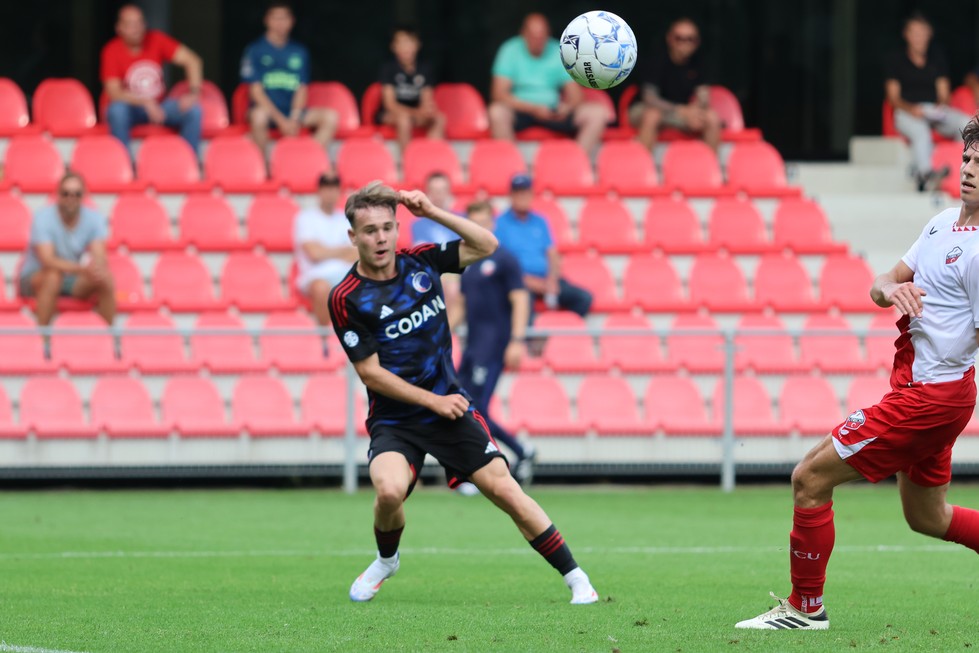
column 953, row 255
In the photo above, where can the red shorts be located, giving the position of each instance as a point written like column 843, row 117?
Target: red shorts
column 909, row 431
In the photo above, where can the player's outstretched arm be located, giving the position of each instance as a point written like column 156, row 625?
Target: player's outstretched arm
column 379, row 380
column 896, row 288
column 477, row 243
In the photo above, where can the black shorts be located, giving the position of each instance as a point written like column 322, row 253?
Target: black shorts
column 524, row 120
column 461, row 446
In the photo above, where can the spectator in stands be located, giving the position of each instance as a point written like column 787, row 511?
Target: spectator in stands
column 438, row 187
column 407, row 100
column 323, row 249
column 528, row 237
column 917, row 86
column 674, row 91
column 66, row 255
column 132, row 75
column 277, row 71
column 530, row 88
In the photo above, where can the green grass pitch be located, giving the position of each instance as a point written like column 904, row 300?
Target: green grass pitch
column 269, row 570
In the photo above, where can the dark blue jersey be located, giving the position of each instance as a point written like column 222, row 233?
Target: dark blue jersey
column 487, row 286
column 403, row 321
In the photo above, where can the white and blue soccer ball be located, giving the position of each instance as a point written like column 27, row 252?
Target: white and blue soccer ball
column 598, row 49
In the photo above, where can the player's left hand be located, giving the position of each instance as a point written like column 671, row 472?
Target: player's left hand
column 417, row 202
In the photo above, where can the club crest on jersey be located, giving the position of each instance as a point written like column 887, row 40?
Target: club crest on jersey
column 487, row 267
column 351, row 339
column 953, row 255
column 854, row 420
column 421, row 282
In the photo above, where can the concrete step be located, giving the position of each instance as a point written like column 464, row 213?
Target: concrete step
column 839, row 178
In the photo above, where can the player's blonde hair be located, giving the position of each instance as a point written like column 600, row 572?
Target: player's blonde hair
column 376, row 193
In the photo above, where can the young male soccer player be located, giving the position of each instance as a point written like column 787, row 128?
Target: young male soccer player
column 389, row 314
column 910, row 432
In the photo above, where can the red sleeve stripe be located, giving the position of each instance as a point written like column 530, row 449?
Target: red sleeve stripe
column 339, row 300
column 415, row 251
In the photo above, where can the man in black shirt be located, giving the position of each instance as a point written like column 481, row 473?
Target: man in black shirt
column 674, row 91
column 407, row 100
column 389, row 314
column 917, row 86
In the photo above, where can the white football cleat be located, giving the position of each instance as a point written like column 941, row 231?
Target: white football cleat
column 369, row 582
column 785, row 617
column 582, row 593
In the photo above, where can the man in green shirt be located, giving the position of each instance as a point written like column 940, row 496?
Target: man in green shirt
column 530, row 88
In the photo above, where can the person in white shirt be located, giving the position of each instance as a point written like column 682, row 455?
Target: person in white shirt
column 910, row 432
column 323, row 249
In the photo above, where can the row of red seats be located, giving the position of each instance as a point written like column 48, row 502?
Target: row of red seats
column 234, row 164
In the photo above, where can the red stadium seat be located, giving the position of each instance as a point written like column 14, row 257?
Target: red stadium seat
column 607, row 226
column 32, row 164
column 608, row 405
column 214, row 108
column 370, row 104
column 626, row 167
column 675, row 405
column 726, row 104
column 782, row 284
column 192, row 406
column 269, row 220
column 563, row 168
column 240, row 101
column 21, row 353
column 151, row 344
column 338, row 97
column 130, row 295
column 829, row 352
column 569, row 353
column 423, row 156
column 141, row 224
column 752, row 408
column 297, row 353
column 880, row 349
column 699, row 347
column 633, row 353
column 182, row 283
column 227, row 352
column 672, row 227
column 492, row 164
column 764, row 346
column 864, row 392
column 93, row 352
column 250, row 283
column 736, row 226
column 168, row 164
column 324, row 405
column 121, row 406
column 235, row 165
column 263, row 405
column 758, row 170
column 209, row 224
column 539, row 405
column 465, row 112
column 364, row 160
column 801, row 226
column 15, row 223
column 844, row 283
column 717, row 284
column 558, row 222
column 104, row 163
column 13, row 109
column 8, row 428
column 691, row 167
column 63, row 107
column 963, row 99
column 591, row 273
column 297, row 163
column 809, row 405
column 652, row 283
column 51, row 408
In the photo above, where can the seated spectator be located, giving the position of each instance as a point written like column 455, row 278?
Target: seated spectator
column 132, row 75
column 66, row 255
column 917, row 86
column 323, row 248
column 528, row 237
column 407, row 100
column 438, row 187
column 531, row 88
column 674, row 92
column 277, row 71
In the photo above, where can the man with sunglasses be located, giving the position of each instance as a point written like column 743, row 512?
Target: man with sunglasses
column 66, row 255
column 674, row 92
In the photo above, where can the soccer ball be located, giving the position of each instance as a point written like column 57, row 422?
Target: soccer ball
column 598, row 49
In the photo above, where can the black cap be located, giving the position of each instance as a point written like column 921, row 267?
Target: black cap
column 328, row 179
column 521, row 181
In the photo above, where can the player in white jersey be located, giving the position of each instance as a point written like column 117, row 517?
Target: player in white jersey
column 910, row 432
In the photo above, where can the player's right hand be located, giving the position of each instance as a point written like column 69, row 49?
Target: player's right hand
column 450, row 406
column 906, row 297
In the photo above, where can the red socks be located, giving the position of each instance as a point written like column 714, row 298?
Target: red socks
column 810, row 545
column 964, row 528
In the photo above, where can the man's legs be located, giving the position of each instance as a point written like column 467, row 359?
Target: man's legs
column 258, row 120
column 105, row 305
column 501, row 119
column 45, row 287
column 647, row 125
column 573, row 298
column 712, row 129
column 323, row 121
column 928, row 513
column 188, row 122
column 318, row 292
column 480, row 379
column 122, row 116
column 918, row 133
column 591, row 118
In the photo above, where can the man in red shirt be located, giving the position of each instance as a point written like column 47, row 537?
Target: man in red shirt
column 132, row 73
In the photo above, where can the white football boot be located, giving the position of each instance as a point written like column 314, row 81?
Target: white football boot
column 785, row 617
column 582, row 593
column 369, row 582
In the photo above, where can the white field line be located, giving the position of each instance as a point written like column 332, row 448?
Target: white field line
column 624, row 550
column 30, row 649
